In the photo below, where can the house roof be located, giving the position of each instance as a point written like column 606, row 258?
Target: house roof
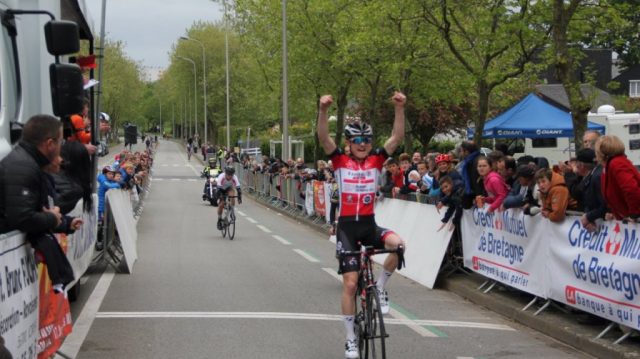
column 558, row 96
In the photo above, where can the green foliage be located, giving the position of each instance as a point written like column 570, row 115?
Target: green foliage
column 123, row 91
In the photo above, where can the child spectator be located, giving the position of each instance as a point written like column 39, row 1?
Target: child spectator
column 426, row 181
column 521, row 194
column 451, row 196
column 554, row 194
column 414, row 178
column 106, row 181
column 444, row 168
column 494, row 185
column 620, row 179
column 394, row 178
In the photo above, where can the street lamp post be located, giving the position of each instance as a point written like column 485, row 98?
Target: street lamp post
column 286, row 152
column 195, row 91
column 226, row 58
column 204, row 83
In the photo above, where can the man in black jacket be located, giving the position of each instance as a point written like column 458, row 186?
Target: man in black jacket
column 25, row 201
column 23, row 186
column 588, row 192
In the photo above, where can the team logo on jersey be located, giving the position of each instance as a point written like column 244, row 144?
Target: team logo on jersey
column 366, row 199
column 349, row 198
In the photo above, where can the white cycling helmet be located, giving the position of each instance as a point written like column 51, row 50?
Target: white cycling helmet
column 104, row 117
column 357, row 128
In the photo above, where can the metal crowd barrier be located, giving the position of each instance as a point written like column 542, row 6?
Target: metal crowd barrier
column 110, row 250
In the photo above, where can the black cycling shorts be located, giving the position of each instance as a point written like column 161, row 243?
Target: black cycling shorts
column 350, row 233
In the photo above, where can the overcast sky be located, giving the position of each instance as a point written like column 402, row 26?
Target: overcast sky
column 149, row 27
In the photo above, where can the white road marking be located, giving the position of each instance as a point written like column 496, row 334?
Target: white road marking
column 175, row 179
column 276, row 315
column 192, row 180
column 333, row 273
column 158, row 179
column 415, row 325
column 279, row 214
column 410, row 323
column 281, row 240
column 251, row 220
column 240, row 213
column 306, row 255
column 264, row 229
column 73, row 342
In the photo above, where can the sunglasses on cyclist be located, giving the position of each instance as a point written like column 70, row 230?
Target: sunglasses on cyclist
column 361, row 140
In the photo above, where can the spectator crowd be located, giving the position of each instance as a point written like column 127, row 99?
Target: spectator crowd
column 599, row 181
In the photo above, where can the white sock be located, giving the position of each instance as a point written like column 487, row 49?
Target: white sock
column 58, row 288
column 382, row 279
column 348, row 326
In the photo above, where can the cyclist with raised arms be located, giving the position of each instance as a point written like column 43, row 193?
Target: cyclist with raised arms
column 228, row 185
column 356, row 175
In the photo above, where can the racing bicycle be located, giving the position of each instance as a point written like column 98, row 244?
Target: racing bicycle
column 228, row 218
column 368, row 319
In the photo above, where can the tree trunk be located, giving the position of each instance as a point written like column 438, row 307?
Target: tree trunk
column 565, row 68
column 483, row 108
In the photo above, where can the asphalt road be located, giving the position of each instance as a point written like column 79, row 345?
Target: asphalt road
column 272, row 292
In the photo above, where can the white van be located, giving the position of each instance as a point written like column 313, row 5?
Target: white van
column 624, row 125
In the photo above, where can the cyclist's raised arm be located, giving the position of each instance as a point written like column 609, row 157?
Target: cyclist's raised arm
column 397, row 135
column 323, row 125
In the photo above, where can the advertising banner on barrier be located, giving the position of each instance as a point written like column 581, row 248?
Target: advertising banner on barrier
column 597, row 272
column 122, row 212
column 55, row 314
column 318, row 198
column 507, row 247
column 328, row 190
column 18, row 296
column 308, row 198
column 81, row 249
column 415, row 223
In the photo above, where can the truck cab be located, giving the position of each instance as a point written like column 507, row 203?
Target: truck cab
column 35, row 74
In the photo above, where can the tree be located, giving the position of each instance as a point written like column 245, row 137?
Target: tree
column 122, row 86
column 493, row 40
column 565, row 63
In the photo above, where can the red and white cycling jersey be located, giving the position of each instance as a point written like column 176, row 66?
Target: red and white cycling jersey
column 357, row 182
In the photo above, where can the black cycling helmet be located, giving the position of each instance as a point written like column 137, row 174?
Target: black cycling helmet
column 229, row 170
column 357, row 128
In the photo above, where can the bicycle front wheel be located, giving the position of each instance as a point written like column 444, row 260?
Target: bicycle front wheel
column 231, row 231
column 375, row 333
column 224, row 225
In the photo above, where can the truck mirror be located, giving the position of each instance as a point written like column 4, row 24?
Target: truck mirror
column 62, row 37
column 66, row 89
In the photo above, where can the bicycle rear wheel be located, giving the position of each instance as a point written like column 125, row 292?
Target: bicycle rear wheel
column 231, row 231
column 375, row 333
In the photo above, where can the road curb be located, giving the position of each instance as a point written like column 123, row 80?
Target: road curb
column 553, row 322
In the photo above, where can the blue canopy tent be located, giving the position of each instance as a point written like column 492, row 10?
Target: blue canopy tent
column 531, row 118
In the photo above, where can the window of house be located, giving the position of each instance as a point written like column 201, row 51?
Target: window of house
column 544, row 142
column 634, row 129
column 634, row 88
